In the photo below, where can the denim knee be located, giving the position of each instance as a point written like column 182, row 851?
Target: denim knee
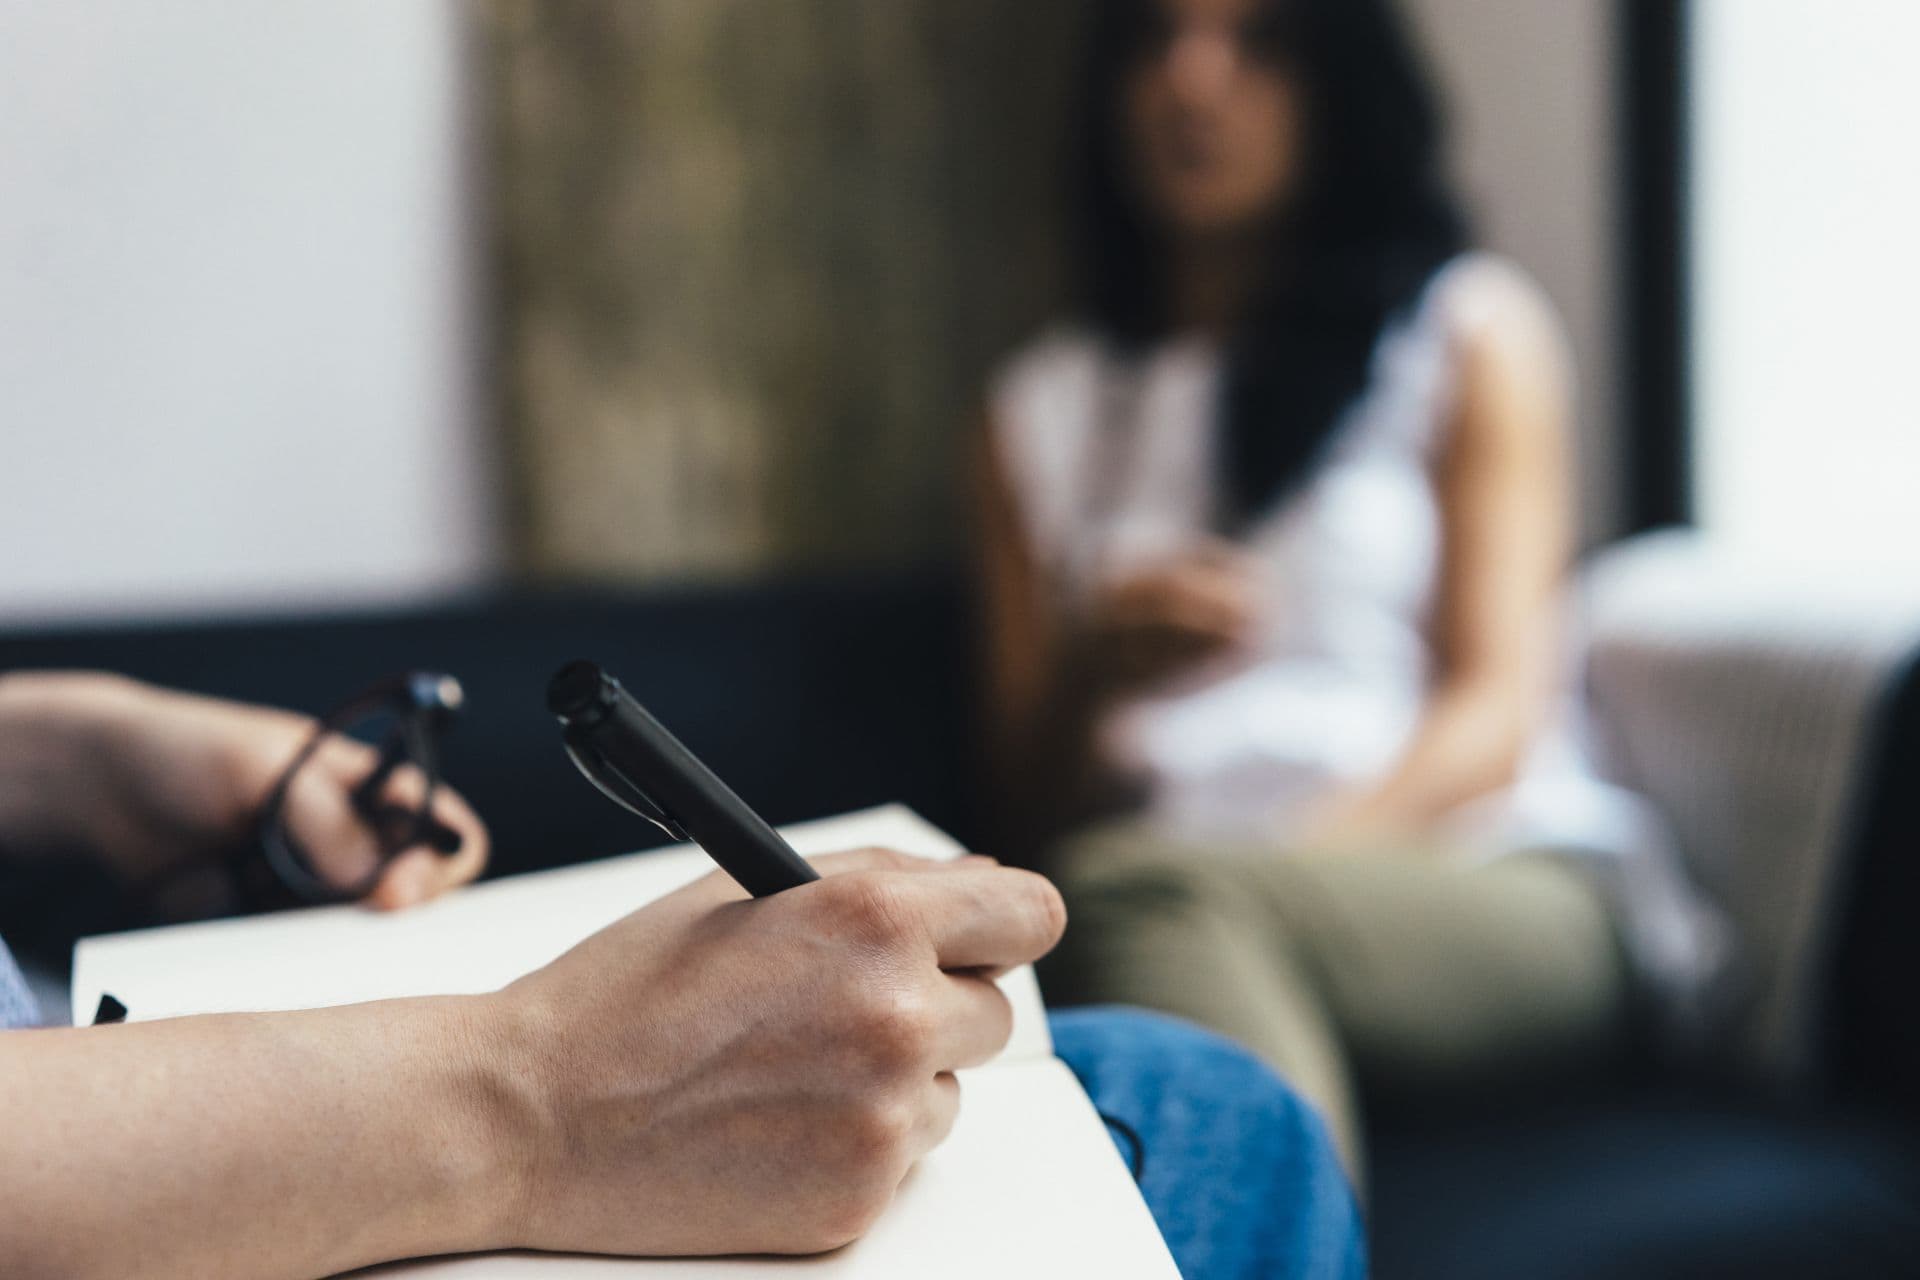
column 1238, row 1171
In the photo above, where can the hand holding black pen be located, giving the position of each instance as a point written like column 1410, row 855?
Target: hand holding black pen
column 632, row 758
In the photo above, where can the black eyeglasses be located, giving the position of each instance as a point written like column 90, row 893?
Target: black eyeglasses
column 402, row 719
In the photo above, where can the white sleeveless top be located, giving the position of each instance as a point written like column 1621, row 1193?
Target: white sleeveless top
column 1113, row 466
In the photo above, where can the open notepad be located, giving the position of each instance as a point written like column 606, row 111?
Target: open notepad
column 1028, row 1184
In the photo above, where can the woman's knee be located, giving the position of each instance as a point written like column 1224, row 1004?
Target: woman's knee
column 1139, row 917
column 1125, row 863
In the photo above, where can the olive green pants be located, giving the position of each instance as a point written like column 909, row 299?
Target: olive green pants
column 1376, row 972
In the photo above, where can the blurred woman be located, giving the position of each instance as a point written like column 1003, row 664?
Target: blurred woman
column 1273, row 537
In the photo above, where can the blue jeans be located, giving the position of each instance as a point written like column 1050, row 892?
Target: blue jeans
column 16, row 1002
column 1237, row 1169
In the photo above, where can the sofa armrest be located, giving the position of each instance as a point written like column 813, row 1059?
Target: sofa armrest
column 1745, row 705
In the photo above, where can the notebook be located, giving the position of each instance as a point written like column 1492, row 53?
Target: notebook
column 1028, row 1183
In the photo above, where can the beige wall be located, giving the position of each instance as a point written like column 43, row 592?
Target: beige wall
column 1532, row 88
column 756, row 258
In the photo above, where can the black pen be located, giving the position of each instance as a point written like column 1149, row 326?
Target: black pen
column 632, row 758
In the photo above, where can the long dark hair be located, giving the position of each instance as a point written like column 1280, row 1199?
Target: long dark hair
column 1374, row 219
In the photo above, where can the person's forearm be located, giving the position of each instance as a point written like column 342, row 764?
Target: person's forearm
column 263, row 1145
column 43, row 751
column 1470, row 741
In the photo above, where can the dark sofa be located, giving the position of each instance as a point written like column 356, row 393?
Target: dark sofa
column 823, row 696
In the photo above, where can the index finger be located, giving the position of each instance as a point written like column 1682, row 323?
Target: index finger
column 988, row 918
column 870, row 859
column 717, row 886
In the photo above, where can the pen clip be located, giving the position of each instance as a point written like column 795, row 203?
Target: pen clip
column 622, row 790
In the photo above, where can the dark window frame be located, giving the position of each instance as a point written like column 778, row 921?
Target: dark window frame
column 1656, row 345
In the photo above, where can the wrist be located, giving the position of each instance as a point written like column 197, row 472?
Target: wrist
column 1359, row 819
column 503, row 1087
column 49, row 743
column 450, row 1101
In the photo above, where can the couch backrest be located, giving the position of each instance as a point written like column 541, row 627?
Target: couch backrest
column 808, row 697
column 1747, row 706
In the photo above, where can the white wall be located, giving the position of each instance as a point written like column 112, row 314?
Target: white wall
column 1531, row 85
column 1807, row 281
column 237, row 353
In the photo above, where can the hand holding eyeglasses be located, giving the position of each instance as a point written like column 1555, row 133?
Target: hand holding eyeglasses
column 161, row 784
